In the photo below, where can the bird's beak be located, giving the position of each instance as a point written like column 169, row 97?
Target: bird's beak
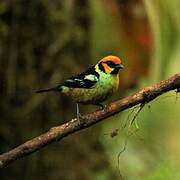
column 119, row 66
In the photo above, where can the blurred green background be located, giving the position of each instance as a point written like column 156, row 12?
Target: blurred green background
column 44, row 42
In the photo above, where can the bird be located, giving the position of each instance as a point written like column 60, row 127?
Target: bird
column 92, row 86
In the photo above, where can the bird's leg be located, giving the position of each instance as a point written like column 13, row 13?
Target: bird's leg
column 78, row 113
column 101, row 105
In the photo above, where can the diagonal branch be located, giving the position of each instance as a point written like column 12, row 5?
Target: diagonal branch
column 57, row 133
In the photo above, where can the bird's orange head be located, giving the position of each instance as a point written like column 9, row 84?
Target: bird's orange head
column 110, row 64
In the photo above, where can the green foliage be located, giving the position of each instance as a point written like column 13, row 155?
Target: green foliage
column 165, row 171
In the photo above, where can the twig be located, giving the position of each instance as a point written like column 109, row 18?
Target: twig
column 57, row 133
column 136, row 114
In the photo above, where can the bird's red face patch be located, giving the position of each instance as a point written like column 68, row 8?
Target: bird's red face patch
column 110, row 64
column 114, row 59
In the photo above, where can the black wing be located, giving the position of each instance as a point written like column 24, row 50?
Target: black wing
column 84, row 80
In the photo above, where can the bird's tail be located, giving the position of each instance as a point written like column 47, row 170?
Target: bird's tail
column 46, row 90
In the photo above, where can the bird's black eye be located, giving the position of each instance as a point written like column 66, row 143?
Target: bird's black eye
column 110, row 63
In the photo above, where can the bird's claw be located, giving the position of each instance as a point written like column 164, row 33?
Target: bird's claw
column 79, row 117
column 102, row 106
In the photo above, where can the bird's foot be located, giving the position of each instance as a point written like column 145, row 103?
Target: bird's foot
column 102, row 106
column 79, row 118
